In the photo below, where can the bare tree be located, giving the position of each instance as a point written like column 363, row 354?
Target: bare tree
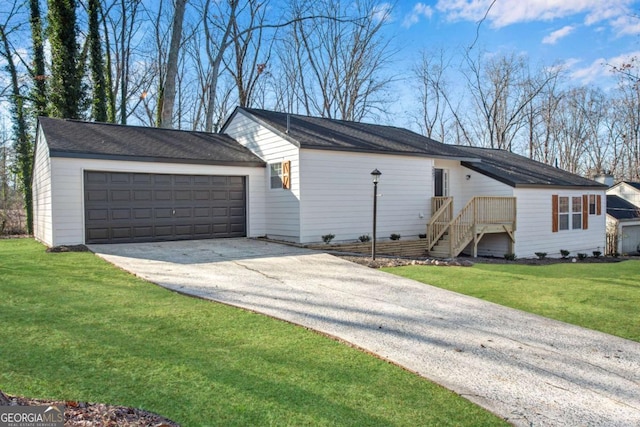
column 433, row 93
column 339, row 64
column 502, row 88
column 169, row 90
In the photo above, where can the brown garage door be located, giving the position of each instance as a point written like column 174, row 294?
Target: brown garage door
column 142, row 207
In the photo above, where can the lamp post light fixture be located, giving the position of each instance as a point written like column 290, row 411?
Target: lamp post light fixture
column 376, row 177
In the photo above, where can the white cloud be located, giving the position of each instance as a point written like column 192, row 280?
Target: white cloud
column 601, row 68
column 382, row 12
column 558, row 34
column 504, row 13
column 419, row 10
column 626, row 25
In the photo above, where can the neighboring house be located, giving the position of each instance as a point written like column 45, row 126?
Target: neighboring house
column 623, row 215
column 317, row 181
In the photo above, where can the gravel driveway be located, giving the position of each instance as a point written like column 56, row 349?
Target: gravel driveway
column 530, row 370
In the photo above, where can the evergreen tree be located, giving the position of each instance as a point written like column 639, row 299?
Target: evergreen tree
column 66, row 78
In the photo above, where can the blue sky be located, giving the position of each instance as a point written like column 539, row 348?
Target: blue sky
column 582, row 34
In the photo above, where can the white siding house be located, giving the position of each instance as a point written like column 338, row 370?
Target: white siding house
column 297, row 178
column 331, row 189
column 59, row 183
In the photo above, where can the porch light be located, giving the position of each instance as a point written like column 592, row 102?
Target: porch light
column 376, row 177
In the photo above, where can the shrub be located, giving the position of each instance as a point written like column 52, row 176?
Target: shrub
column 394, row 236
column 364, row 238
column 581, row 255
column 565, row 253
column 422, row 236
column 328, row 238
column 541, row 255
column 510, row 257
column 616, row 254
column 596, row 254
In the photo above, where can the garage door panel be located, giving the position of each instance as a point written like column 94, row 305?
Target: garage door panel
column 162, row 195
column 161, row 179
column 119, row 178
column 97, row 196
column 97, row 214
column 120, row 214
column 120, row 195
column 142, row 195
column 143, row 232
column 136, row 207
column 142, row 213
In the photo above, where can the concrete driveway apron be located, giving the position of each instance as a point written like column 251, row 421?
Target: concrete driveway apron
column 530, row 370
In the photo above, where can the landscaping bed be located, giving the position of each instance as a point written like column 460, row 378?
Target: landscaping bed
column 81, row 414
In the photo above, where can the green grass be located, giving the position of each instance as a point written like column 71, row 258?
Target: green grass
column 603, row 296
column 74, row 327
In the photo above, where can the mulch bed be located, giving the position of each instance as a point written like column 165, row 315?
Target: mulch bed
column 84, row 414
column 385, row 261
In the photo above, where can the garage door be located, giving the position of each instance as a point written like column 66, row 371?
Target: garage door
column 141, row 207
column 630, row 239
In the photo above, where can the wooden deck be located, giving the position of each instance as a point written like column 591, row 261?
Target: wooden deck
column 447, row 236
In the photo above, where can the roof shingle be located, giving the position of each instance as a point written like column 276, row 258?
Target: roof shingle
column 339, row 135
column 619, row 208
column 72, row 138
column 519, row 171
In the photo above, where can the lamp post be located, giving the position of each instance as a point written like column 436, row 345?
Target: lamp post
column 376, row 177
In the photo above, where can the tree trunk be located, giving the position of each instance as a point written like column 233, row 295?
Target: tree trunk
column 172, row 66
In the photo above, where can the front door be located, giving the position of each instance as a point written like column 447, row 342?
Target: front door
column 440, row 182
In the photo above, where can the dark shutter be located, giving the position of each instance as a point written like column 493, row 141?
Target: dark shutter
column 585, row 211
column 554, row 214
column 598, row 205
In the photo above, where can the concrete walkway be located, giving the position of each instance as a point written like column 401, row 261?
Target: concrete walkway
column 530, row 370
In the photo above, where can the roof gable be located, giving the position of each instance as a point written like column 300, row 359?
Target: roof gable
column 338, row 135
column 619, row 208
column 519, row 171
column 72, row 138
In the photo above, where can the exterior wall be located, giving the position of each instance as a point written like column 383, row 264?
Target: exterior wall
column 42, row 215
column 67, row 201
column 534, row 226
column 626, row 192
column 282, row 207
column 463, row 189
column 337, row 195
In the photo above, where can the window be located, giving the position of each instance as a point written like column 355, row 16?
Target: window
column 576, row 216
column 276, row 175
column 563, row 213
column 280, row 175
column 572, row 213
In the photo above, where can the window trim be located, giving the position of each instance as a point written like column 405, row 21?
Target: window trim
column 272, row 176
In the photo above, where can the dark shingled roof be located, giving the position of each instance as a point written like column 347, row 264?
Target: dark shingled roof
column 72, row 138
column 619, row 208
column 338, row 135
column 519, row 171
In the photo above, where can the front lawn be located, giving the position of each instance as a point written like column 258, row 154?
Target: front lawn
column 76, row 328
column 600, row 296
